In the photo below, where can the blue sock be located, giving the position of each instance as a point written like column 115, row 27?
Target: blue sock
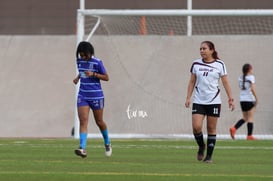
column 83, row 140
column 105, row 137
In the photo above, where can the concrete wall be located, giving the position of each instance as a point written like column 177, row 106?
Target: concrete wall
column 148, row 76
column 36, row 87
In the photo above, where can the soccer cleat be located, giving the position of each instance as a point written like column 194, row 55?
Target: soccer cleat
column 108, row 150
column 232, row 132
column 250, row 137
column 207, row 159
column 81, row 152
column 200, row 153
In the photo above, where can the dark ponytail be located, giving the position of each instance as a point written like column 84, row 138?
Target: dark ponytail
column 246, row 68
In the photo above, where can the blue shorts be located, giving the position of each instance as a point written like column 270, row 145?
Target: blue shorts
column 95, row 104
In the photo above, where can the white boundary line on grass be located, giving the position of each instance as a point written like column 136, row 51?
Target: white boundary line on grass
column 135, row 174
column 177, row 136
column 158, row 146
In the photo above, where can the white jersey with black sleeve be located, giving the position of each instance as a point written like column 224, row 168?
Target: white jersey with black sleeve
column 208, row 74
column 246, row 93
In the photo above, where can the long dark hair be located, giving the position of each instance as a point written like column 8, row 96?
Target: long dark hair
column 86, row 48
column 246, row 68
column 212, row 47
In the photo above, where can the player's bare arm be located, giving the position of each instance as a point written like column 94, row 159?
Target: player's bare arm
column 228, row 91
column 76, row 80
column 253, row 90
column 104, row 77
column 190, row 90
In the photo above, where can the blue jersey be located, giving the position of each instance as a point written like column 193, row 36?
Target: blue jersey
column 90, row 87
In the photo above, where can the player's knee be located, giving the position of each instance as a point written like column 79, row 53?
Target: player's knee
column 197, row 130
column 99, row 122
column 83, row 122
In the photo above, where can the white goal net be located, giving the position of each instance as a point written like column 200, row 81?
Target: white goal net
column 162, row 25
column 176, row 22
column 148, row 55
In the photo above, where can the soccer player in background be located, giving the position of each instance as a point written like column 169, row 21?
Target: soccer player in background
column 248, row 101
column 204, row 82
column 90, row 95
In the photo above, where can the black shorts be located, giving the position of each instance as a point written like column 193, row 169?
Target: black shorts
column 246, row 106
column 209, row 110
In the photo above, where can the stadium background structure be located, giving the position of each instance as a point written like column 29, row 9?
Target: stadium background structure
column 38, row 95
column 30, row 17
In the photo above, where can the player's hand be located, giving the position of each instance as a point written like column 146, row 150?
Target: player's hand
column 231, row 104
column 256, row 103
column 76, row 80
column 89, row 73
column 187, row 103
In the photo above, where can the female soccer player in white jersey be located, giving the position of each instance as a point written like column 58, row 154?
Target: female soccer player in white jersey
column 204, row 81
column 248, row 101
column 90, row 95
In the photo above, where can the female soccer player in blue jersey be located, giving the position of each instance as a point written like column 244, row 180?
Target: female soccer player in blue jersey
column 90, row 95
column 204, row 81
column 248, row 101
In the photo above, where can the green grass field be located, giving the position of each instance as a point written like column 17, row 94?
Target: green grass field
column 54, row 160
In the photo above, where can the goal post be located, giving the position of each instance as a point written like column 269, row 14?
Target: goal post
column 81, row 13
column 176, row 12
column 145, row 29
